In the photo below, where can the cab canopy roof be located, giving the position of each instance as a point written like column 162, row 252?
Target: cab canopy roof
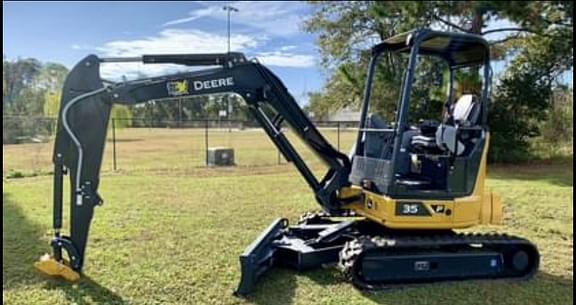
column 458, row 49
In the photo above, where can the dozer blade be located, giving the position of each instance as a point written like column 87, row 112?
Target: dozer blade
column 301, row 247
column 48, row 265
column 258, row 257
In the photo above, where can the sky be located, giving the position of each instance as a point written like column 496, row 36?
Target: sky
column 65, row 32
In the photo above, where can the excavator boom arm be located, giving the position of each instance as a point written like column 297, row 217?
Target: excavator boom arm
column 85, row 110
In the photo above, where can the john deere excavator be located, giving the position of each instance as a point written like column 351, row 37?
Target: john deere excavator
column 390, row 208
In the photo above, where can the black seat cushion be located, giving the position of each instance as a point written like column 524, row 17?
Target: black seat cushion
column 425, row 141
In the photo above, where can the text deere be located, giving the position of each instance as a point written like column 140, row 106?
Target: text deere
column 214, row 83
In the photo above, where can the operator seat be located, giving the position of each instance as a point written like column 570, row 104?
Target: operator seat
column 465, row 113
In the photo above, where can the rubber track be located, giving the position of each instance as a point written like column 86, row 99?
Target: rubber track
column 354, row 251
column 319, row 217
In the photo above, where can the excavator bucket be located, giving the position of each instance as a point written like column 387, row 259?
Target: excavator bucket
column 48, row 265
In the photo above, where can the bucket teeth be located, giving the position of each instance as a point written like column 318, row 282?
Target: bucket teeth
column 48, row 265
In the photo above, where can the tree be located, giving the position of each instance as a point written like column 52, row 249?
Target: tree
column 31, row 89
column 52, row 103
column 558, row 127
column 540, row 47
column 19, row 76
column 346, row 31
column 52, row 76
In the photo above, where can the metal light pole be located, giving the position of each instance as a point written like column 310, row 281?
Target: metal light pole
column 228, row 9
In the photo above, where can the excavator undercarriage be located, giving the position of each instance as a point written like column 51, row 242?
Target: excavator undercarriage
column 390, row 210
column 373, row 257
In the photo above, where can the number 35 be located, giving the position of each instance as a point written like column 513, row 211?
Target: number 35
column 410, row 209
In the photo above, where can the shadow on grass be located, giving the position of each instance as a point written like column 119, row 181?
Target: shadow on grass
column 22, row 245
column 556, row 171
column 544, row 288
column 277, row 286
column 85, row 292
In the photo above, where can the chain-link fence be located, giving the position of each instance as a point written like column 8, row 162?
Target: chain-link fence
column 162, row 145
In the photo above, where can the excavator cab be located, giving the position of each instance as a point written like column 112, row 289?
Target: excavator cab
column 437, row 156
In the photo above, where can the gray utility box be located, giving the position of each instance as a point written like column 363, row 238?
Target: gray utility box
column 220, row 156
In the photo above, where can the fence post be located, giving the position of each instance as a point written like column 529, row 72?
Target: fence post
column 179, row 112
column 338, row 131
column 279, row 159
column 278, row 150
column 114, row 143
column 206, row 139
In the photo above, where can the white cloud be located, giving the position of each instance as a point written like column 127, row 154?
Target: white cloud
column 132, row 70
column 175, row 41
column 168, row 41
column 286, row 59
column 287, row 48
column 82, row 47
column 179, row 41
column 275, row 18
column 194, row 15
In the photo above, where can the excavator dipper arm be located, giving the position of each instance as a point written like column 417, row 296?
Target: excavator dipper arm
column 84, row 116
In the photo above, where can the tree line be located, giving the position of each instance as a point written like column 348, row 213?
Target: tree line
column 31, row 100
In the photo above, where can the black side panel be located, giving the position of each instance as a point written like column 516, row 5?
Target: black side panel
column 462, row 180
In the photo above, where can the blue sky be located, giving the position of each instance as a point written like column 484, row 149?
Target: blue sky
column 65, row 32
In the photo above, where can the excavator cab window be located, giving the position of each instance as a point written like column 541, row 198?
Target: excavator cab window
column 423, row 118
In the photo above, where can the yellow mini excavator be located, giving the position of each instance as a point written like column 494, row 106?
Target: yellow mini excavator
column 389, row 209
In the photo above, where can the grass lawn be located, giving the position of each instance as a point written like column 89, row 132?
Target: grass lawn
column 172, row 236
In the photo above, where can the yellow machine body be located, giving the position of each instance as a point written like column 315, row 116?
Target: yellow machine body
column 480, row 207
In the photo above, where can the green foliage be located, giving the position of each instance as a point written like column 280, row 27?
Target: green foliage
column 171, row 112
column 52, row 76
column 540, row 49
column 31, row 90
column 523, row 98
column 515, row 114
column 52, row 103
column 122, row 116
column 18, row 76
column 558, row 126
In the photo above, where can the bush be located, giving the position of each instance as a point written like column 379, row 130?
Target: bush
column 519, row 106
column 558, row 127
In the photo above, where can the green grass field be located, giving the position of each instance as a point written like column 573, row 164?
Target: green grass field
column 171, row 232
